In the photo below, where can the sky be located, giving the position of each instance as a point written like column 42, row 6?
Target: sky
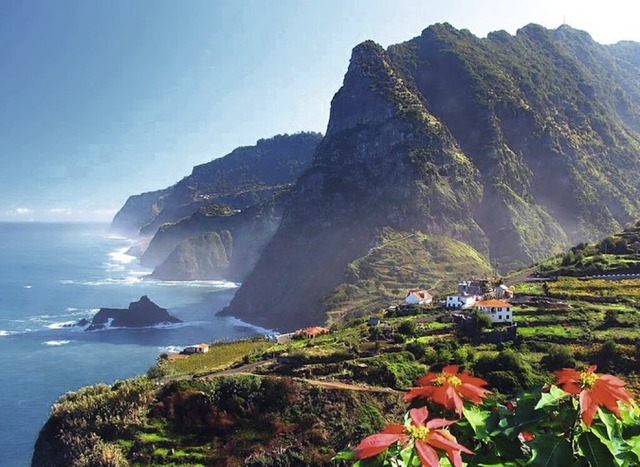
column 103, row 99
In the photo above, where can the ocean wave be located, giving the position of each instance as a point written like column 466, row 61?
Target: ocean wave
column 4, row 333
column 139, row 273
column 110, row 281
column 113, row 267
column 55, row 343
column 258, row 330
column 109, row 327
column 171, row 349
column 208, row 284
column 120, row 255
column 61, row 325
column 118, row 237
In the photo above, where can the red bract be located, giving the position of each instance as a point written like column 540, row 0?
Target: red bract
column 449, row 388
column 594, row 390
column 426, row 437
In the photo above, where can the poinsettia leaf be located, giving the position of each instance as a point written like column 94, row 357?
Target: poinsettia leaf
column 477, row 418
column 550, row 451
column 524, row 418
column 409, row 456
column 610, row 434
column 552, row 397
column 634, row 445
column 507, row 448
column 595, row 450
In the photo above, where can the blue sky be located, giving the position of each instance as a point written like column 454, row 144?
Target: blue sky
column 103, row 99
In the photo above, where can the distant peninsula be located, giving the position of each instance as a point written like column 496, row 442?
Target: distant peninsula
column 143, row 313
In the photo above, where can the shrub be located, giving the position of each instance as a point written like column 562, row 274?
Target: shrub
column 558, row 356
column 408, row 328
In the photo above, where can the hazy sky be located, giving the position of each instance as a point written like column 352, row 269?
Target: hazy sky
column 103, row 99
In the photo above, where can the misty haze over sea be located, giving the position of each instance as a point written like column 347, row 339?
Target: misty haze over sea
column 52, row 275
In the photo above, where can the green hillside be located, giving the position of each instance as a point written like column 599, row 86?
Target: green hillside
column 615, row 254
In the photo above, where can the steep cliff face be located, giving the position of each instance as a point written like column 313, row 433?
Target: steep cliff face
column 214, row 246
column 514, row 145
column 138, row 211
column 240, row 179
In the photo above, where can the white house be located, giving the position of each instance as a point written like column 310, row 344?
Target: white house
column 418, row 297
column 502, row 292
column 460, row 302
column 198, row 348
column 498, row 310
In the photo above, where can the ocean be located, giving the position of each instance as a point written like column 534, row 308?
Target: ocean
column 52, row 275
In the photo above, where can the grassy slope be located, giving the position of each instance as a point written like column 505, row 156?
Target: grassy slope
column 615, row 254
column 401, row 261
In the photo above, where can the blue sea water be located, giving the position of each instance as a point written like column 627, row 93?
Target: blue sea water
column 55, row 274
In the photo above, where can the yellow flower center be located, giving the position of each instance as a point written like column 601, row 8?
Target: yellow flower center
column 417, row 432
column 587, row 380
column 447, row 378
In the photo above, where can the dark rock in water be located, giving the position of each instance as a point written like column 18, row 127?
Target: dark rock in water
column 143, row 313
column 82, row 323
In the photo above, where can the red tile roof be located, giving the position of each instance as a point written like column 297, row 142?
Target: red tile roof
column 494, row 303
column 420, row 294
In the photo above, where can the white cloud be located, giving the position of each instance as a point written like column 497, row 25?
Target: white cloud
column 60, row 211
column 19, row 212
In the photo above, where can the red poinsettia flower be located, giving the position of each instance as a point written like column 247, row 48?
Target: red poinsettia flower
column 526, row 436
column 449, row 388
column 426, row 437
column 593, row 390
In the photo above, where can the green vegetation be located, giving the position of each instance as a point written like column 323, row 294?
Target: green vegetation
column 221, row 356
column 615, row 254
column 401, row 261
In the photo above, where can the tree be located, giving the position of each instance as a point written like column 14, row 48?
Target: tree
column 481, row 320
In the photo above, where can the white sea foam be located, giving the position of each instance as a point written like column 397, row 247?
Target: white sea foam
column 170, row 349
column 118, row 237
column 110, row 281
column 205, row 284
column 55, row 343
column 28, row 286
column 120, row 255
column 139, row 273
column 4, row 333
column 63, row 324
column 113, row 267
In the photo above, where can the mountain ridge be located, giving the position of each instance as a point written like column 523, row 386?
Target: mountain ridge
column 511, row 144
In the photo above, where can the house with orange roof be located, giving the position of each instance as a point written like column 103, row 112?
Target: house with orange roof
column 498, row 310
column 418, row 297
column 311, row 332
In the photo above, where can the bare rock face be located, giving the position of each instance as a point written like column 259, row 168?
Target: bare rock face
column 143, row 313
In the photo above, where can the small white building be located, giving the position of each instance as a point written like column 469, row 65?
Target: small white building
column 418, row 297
column 460, row 302
column 502, row 292
column 498, row 310
column 197, row 348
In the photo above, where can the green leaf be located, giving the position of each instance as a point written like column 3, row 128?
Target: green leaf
column 550, row 451
column 552, row 397
column 477, row 418
column 344, row 456
column 595, row 451
column 634, row 444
